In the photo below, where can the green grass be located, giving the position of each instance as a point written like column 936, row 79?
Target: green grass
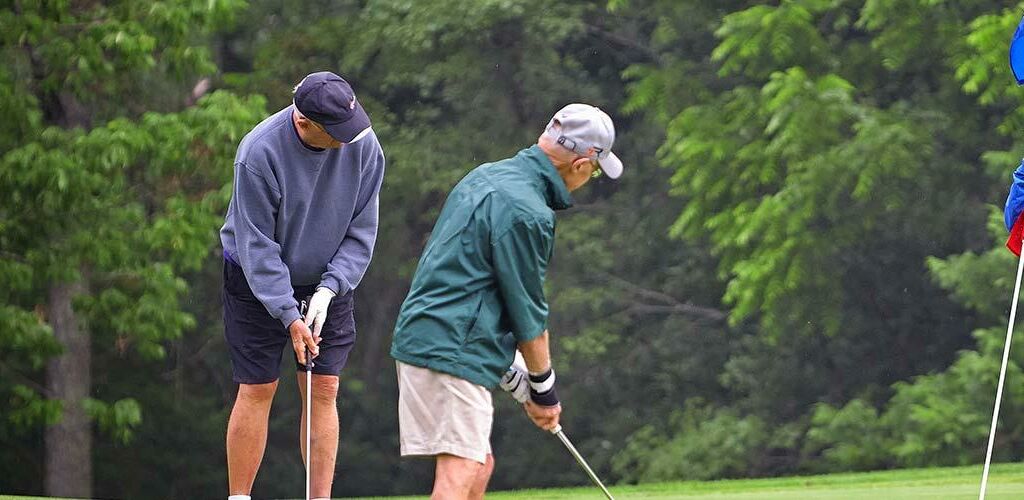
column 1006, row 481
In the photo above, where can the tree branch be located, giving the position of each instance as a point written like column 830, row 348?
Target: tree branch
column 7, row 371
column 622, row 41
column 669, row 304
column 685, row 309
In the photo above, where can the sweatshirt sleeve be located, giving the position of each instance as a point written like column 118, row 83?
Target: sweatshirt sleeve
column 257, row 198
column 1015, row 200
column 349, row 264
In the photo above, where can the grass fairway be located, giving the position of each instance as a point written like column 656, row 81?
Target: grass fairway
column 1006, row 481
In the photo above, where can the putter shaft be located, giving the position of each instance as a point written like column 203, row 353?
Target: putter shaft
column 579, row 459
column 309, row 409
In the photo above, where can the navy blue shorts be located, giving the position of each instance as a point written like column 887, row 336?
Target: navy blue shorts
column 256, row 339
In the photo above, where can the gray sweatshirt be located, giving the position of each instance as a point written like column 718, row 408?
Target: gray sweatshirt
column 300, row 216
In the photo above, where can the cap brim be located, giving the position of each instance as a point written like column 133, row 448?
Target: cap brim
column 611, row 166
column 351, row 130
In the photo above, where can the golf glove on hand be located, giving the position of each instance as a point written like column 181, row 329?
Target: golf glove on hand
column 515, row 382
column 317, row 312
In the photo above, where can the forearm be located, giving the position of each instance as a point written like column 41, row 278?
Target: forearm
column 541, row 376
column 536, row 353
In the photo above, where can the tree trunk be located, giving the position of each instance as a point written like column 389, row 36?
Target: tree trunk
column 68, row 443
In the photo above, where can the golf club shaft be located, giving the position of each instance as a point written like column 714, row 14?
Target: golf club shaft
column 579, row 459
column 1002, row 377
column 308, row 405
column 309, row 415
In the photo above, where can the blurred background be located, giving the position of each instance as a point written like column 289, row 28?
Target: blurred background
column 801, row 270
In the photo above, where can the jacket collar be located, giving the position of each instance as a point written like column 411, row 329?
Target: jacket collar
column 556, row 194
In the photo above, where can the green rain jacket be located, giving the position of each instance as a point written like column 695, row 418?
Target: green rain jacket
column 479, row 286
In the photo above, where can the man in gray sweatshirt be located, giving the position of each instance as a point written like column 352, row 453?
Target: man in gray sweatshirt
column 301, row 224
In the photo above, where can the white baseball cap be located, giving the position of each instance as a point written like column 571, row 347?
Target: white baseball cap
column 586, row 130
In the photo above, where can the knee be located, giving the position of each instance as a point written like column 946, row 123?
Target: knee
column 454, row 471
column 257, row 393
column 325, row 388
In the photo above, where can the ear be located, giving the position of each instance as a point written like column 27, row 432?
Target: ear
column 579, row 164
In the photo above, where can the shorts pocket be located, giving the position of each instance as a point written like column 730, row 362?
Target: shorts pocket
column 235, row 283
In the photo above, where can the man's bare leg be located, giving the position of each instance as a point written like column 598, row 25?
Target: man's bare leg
column 455, row 477
column 325, row 432
column 247, row 435
column 482, row 477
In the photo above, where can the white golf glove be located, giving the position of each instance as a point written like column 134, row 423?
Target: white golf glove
column 516, row 380
column 317, row 312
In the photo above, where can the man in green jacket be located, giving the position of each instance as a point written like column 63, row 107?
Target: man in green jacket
column 478, row 295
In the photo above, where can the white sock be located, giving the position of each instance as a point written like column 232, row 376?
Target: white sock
column 239, row 497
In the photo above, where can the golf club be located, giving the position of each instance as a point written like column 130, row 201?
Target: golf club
column 1002, row 377
column 579, row 459
column 309, row 404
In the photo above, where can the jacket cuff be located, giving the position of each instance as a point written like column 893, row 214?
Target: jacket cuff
column 289, row 317
column 335, row 285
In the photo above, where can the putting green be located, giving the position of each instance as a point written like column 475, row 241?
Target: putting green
column 1006, row 482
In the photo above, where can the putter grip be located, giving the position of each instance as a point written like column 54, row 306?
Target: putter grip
column 303, row 306
column 557, row 429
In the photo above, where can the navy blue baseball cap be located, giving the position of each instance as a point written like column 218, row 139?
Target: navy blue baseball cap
column 328, row 99
column 1017, row 53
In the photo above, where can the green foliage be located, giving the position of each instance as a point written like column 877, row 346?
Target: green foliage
column 851, row 437
column 818, row 172
column 758, row 40
column 22, row 331
column 941, row 418
column 27, row 409
column 705, row 443
column 118, row 419
column 839, row 151
column 938, row 419
column 982, row 67
column 811, row 196
column 973, row 278
column 97, row 51
column 104, row 186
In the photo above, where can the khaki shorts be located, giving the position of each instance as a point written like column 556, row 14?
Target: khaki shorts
column 442, row 414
